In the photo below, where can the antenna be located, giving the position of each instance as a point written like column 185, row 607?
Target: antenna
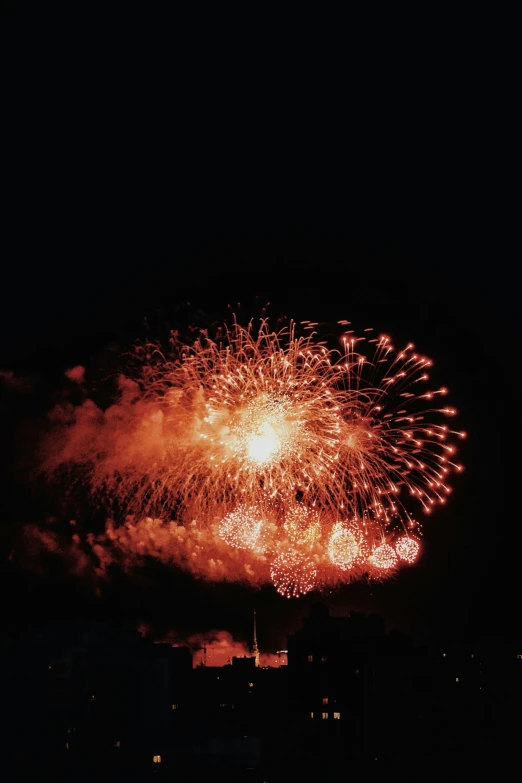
column 255, row 648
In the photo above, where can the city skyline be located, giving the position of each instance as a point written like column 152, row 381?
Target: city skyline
column 106, row 699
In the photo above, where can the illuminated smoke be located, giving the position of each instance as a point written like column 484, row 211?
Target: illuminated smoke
column 215, row 648
column 76, row 374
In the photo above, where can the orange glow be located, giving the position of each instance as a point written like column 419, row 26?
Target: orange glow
column 256, row 455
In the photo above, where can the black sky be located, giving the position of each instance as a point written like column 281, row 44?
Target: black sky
column 123, row 203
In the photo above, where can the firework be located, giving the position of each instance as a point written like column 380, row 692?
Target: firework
column 293, row 574
column 242, row 527
column 347, row 546
column 262, row 439
column 302, row 525
column 407, row 548
column 383, row 557
column 265, row 418
column 394, row 447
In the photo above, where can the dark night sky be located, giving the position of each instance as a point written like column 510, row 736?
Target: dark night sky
column 110, row 222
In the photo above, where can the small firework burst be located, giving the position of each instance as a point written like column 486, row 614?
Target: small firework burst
column 302, row 525
column 383, row 558
column 242, row 527
column 293, row 574
column 347, row 547
column 407, row 548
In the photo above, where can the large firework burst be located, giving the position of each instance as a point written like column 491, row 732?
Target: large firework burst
column 304, row 455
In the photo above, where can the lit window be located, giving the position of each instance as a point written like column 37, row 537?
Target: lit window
column 156, row 759
column 325, row 700
column 324, row 715
column 519, row 656
column 174, row 706
column 250, row 684
column 222, row 705
column 310, row 658
column 311, row 714
column 337, row 716
column 324, row 658
column 117, row 744
column 457, row 679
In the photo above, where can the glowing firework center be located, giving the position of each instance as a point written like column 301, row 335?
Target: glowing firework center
column 298, row 460
column 267, row 432
column 263, row 445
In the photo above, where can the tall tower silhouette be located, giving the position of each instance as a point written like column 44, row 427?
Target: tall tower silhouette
column 255, row 648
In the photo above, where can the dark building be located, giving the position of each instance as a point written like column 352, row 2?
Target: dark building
column 233, row 715
column 360, row 696
column 99, row 703
column 332, row 665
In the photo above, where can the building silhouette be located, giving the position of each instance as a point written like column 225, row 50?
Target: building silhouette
column 101, row 703
column 255, row 648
